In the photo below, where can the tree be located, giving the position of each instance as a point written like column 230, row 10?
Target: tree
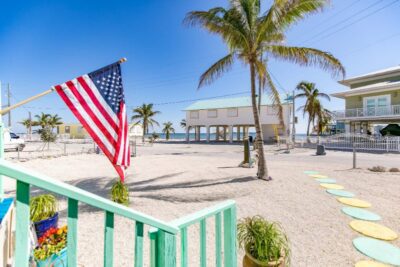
column 144, row 115
column 254, row 38
column 47, row 123
column 168, row 129
column 313, row 107
column 28, row 123
column 54, row 121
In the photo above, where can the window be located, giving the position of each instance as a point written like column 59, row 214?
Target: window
column 232, row 112
column 212, row 113
column 376, row 105
column 67, row 129
column 272, row 110
column 194, row 114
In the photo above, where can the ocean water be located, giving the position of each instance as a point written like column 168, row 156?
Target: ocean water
column 182, row 136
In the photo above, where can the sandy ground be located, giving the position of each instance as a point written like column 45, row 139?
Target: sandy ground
column 170, row 180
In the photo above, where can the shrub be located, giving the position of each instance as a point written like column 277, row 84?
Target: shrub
column 120, row 193
column 377, row 169
column 394, row 170
column 265, row 241
column 42, row 207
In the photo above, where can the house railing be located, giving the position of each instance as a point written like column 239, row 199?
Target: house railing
column 348, row 141
column 162, row 241
column 393, row 110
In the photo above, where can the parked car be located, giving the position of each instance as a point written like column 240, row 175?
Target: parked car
column 12, row 142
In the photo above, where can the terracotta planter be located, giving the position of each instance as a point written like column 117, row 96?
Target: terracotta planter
column 250, row 261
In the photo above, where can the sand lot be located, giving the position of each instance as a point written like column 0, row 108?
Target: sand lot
column 170, row 180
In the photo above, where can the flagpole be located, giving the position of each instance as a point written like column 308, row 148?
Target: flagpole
column 23, row 102
column 1, row 151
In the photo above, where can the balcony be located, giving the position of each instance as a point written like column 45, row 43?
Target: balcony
column 370, row 112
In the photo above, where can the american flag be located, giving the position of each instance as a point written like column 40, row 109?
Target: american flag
column 97, row 101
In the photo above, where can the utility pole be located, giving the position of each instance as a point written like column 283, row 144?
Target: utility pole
column 294, row 119
column 9, row 104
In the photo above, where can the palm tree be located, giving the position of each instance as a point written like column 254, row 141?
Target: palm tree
column 183, row 123
column 144, row 115
column 168, row 129
column 312, row 107
column 251, row 35
column 54, row 121
column 28, row 123
column 42, row 120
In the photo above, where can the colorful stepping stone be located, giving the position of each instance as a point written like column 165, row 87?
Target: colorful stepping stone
column 374, row 230
column 370, row 264
column 331, row 186
column 318, row 176
column 311, row 172
column 355, row 202
column 340, row 193
column 361, row 214
column 378, row 250
column 326, row 181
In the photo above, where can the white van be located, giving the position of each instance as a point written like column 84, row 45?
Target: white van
column 12, row 142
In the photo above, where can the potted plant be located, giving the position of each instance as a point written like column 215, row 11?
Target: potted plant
column 264, row 242
column 43, row 213
column 52, row 248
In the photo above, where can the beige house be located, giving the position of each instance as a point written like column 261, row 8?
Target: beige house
column 372, row 101
column 76, row 131
column 229, row 115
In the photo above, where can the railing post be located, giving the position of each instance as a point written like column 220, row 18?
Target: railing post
column 108, row 239
column 22, row 225
column 230, row 237
column 166, row 249
column 139, row 244
column 72, row 232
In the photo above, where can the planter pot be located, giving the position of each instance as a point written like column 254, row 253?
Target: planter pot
column 42, row 226
column 250, row 261
column 55, row 260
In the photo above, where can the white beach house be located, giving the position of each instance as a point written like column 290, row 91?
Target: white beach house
column 230, row 114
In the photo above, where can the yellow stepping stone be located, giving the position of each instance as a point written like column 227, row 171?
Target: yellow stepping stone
column 374, row 230
column 331, row 186
column 370, row 264
column 318, row 176
column 355, row 202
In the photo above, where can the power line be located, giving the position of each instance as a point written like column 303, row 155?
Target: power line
column 341, row 22
column 333, row 16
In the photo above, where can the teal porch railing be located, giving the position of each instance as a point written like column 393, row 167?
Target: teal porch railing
column 162, row 237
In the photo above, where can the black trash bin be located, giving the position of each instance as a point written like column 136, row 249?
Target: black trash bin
column 321, row 150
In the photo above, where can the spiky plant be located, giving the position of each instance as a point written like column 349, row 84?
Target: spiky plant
column 254, row 38
column 265, row 241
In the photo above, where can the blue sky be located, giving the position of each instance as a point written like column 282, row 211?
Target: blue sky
column 43, row 43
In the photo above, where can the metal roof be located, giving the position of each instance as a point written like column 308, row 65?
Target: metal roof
column 237, row 102
column 388, row 71
column 368, row 89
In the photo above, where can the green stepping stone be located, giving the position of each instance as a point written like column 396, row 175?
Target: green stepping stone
column 340, row 193
column 326, row 181
column 311, row 172
column 378, row 250
column 361, row 214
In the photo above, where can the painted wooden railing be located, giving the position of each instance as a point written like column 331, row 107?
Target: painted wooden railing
column 225, row 211
column 162, row 238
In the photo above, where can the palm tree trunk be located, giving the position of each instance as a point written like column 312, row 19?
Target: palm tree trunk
column 259, row 95
column 308, row 129
column 144, row 132
column 262, row 164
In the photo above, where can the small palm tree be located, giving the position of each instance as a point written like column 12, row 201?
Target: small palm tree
column 144, row 116
column 312, row 107
column 183, row 123
column 54, row 121
column 28, row 123
column 42, row 120
column 168, row 129
column 254, row 38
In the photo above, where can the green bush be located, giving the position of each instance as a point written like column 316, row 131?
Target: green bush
column 120, row 193
column 394, row 170
column 42, row 207
column 265, row 241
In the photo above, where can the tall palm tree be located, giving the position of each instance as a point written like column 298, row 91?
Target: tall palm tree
column 168, row 129
column 251, row 35
column 312, row 107
column 28, row 123
column 144, row 115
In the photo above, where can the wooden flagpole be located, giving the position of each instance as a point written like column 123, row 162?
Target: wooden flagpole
column 23, row 102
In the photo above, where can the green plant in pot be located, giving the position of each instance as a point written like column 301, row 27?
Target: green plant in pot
column 43, row 213
column 264, row 242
